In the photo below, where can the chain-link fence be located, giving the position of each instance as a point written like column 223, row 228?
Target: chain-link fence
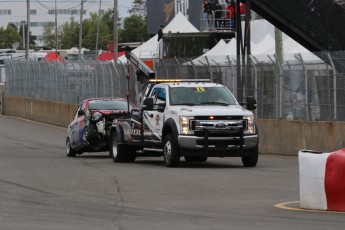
column 299, row 87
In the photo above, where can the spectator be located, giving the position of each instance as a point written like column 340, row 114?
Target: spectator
column 242, row 11
column 231, row 13
column 206, row 10
column 160, row 32
column 217, row 13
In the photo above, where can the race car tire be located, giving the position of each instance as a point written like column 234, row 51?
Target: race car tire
column 69, row 151
column 117, row 151
column 170, row 152
column 250, row 158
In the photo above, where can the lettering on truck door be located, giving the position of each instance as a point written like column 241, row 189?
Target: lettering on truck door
column 154, row 119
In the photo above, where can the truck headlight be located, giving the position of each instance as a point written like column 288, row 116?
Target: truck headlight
column 184, row 123
column 250, row 129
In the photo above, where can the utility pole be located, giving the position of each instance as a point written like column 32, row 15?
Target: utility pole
column 56, row 31
column 81, row 29
column 99, row 18
column 23, row 32
column 115, row 33
column 28, row 30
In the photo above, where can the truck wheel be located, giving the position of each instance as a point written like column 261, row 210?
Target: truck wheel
column 250, row 159
column 69, row 151
column 195, row 159
column 170, row 152
column 131, row 154
column 117, row 151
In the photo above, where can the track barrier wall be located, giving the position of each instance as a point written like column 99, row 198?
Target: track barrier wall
column 322, row 180
column 281, row 137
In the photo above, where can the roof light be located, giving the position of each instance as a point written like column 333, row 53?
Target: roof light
column 178, row 80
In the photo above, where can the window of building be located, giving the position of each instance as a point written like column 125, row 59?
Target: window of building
column 34, row 12
column 67, row 12
column 5, row 12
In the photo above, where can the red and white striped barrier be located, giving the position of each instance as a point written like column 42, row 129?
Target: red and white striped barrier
column 322, row 180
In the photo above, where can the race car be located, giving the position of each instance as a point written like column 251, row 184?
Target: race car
column 90, row 127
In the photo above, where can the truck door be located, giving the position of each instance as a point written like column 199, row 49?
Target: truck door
column 153, row 120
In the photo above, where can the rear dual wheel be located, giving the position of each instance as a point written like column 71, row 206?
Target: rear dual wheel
column 120, row 152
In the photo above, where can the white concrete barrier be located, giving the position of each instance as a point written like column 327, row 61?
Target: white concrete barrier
column 322, row 180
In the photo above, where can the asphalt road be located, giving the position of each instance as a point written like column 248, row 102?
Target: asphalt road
column 41, row 188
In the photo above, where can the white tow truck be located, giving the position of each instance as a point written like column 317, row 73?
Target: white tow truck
column 191, row 118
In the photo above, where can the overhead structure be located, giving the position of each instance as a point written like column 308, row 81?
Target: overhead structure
column 149, row 50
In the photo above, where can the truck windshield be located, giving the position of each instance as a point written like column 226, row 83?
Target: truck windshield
column 201, row 96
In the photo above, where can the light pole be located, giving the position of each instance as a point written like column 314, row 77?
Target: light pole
column 27, row 31
column 56, row 32
column 115, row 33
column 81, row 29
column 97, row 36
column 23, row 32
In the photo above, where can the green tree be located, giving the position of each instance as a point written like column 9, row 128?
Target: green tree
column 3, row 38
column 90, row 33
column 139, row 8
column 49, row 35
column 31, row 38
column 69, row 34
column 134, row 29
column 11, row 36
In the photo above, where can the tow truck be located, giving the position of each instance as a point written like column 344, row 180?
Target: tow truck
column 191, row 118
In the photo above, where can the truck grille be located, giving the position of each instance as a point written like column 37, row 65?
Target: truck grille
column 218, row 126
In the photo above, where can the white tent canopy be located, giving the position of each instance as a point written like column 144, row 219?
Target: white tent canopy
column 179, row 24
column 262, row 44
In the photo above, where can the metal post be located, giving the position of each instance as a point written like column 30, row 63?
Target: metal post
column 238, row 52
column 99, row 18
column 23, row 25
column 81, row 29
column 300, row 58
column 56, row 31
column 28, row 31
column 281, row 83
column 210, row 68
column 334, row 87
column 115, row 34
column 1, row 103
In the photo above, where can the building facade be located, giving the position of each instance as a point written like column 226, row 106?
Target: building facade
column 43, row 13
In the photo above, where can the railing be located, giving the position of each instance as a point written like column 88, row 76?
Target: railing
column 210, row 23
column 298, row 89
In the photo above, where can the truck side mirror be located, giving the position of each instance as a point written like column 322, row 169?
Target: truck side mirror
column 251, row 103
column 148, row 103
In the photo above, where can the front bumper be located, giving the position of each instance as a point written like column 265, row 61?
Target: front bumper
column 225, row 144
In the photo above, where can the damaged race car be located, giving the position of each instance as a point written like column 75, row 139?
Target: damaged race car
column 89, row 129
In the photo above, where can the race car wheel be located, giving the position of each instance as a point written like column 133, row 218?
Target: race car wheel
column 121, row 152
column 170, row 152
column 69, row 151
column 250, row 158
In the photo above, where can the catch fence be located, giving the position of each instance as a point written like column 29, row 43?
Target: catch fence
column 299, row 87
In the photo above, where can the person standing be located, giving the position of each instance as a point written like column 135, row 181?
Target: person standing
column 160, row 32
column 217, row 13
column 206, row 10
column 242, row 11
column 231, row 13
